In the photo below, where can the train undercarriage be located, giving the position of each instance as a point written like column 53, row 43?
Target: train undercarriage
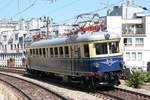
column 90, row 82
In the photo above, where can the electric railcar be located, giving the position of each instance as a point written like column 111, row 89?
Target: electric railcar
column 90, row 58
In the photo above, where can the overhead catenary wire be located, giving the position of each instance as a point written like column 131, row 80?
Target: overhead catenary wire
column 64, row 6
column 107, row 6
column 94, row 10
column 6, row 4
column 20, row 12
column 34, row 2
column 30, row 6
column 143, row 7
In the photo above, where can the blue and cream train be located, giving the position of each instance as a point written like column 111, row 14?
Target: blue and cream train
column 91, row 58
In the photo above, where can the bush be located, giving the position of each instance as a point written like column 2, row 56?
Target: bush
column 146, row 76
column 136, row 80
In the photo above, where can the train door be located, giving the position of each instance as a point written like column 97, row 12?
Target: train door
column 75, row 56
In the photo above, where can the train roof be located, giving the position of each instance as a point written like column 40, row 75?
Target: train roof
column 95, row 36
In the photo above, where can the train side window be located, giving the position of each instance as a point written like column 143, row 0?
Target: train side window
column 51, row 52
column 44, row 53
column 40, row 51
column 36, row 52
column 61, row 51
column 56, row 51
column 66, row 51
column 33, row 51
column 86, row 50
column 47, row 52
column 30, row 51
column 101, row 48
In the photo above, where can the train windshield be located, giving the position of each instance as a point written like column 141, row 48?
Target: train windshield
column 101, row 48
column 114, row 47
column 107, row 48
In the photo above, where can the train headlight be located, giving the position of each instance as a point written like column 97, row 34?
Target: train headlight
column 96, row 65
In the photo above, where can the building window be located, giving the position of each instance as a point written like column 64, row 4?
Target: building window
column 5, row 47
column 21, row 40
column 139, row 41
column 139, row 56
column 56, row 33
column 140, row 29
column 5, row 38
column 133, row 56
column 21, row 45
column 11, row 46
column 16, row 36
column 128, row 41
column 128, row 28
column 18, row 45
column 128, row 56
column 24, row 46
column 15, row 46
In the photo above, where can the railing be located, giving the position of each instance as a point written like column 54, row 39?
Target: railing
column 133, row 32
column 134, row 35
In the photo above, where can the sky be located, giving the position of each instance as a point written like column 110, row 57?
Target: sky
column 60, row 10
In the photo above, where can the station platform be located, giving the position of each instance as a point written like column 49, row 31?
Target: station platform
column 18, row 70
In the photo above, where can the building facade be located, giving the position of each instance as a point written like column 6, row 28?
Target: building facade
column 134, row 32
column 13, row 40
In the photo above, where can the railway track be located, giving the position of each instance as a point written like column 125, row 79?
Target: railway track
column 113, row 93
column 107, row 93
column 30, row 90
column 69, row 92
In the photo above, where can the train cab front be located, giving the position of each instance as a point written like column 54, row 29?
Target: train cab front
column 108, row 69
column 107, row 60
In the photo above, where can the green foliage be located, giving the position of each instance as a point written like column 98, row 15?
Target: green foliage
column 146, row 76
column 140, row 30
column 136, row 80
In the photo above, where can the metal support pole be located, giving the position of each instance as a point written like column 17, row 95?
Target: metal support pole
column 47, row 22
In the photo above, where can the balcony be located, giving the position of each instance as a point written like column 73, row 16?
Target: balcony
column 133, row 31
column 140, row 31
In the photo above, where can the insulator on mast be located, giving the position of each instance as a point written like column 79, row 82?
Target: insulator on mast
column 130, row 2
